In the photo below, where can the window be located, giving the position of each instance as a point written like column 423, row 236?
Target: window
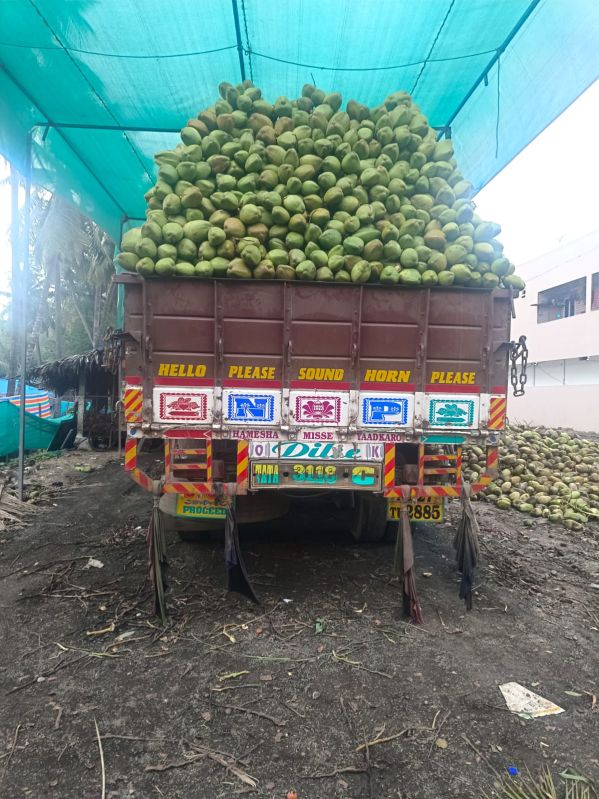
column 569, row 307
column 595, row 292
column 569, row 299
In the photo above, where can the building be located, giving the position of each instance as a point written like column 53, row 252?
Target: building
column 559, row 315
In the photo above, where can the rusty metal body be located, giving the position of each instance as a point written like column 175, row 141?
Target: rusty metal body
column 261, row 385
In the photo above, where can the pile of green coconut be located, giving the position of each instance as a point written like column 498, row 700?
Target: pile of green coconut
column 304, row 189
column 544, row 473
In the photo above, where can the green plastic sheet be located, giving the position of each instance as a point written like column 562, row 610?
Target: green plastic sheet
column 47, row 434
column 497, row 71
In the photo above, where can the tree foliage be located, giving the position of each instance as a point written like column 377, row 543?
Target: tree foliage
column 71, row 299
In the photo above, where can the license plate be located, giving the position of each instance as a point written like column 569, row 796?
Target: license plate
column 355, row 476
column 429, row 509
column 208, row 507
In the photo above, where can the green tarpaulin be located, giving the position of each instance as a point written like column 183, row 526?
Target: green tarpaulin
column 40, row 433
column 496, row 71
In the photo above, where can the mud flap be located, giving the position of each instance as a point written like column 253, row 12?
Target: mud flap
column 157, row 563
column 467, row 547
column 404, row 565
column 237, row 576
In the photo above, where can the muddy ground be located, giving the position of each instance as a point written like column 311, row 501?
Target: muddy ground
column 232, row 698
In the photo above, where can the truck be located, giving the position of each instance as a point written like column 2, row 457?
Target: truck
column 262, row 390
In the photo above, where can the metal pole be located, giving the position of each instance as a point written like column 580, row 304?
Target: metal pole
column 498, row 53
column 124, row 128
column 24, row 297
column 238, row 38
column 120, row 289
column 81, row 404
column 15, row 235
column 119, row 403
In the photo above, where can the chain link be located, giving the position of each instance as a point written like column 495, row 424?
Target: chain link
column 518, row 351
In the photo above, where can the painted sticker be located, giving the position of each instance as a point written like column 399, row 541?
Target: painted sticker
column 182, row 406
column 378, row 410
column 265, row 474
column 205, row 508
column 319, row 409
column 250, row 407
column 451, row 412
column 319, row 450
column 307, row 475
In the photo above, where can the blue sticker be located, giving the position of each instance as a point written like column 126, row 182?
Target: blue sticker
column 251, row 408
column 451, row 413
column 381, row 411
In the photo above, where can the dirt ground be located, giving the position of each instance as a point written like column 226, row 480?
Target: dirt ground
column 232, row 698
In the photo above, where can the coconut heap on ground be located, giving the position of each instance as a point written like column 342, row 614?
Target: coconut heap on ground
column 547, row 474
column 299, row 189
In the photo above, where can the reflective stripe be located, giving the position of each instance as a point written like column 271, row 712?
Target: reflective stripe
column 132, row 401
column 497, row 411
column 242, row 462
column 209, row 460
column 130, row 454
column 389, row 471
column 142, row 479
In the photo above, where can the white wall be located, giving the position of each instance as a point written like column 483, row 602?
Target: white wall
column 563, row 355
column 576, row 407
column 572, row 337
column 567, row 372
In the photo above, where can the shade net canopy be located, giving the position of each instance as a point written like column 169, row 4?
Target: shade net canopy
column 496, row 73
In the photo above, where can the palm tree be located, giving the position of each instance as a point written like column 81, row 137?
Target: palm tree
column 69, row 278
column 57, row 235
column 71, row 251
column 100, row 254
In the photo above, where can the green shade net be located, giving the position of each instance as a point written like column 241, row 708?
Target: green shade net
column 152, row 64
column 39, row 433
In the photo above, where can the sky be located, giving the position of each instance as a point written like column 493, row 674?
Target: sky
column 548, row 195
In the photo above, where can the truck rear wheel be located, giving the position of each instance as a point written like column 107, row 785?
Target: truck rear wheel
column 369, row 518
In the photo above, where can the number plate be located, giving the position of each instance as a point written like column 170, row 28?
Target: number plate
column 206, row 508
column 354, row 476
column 429, row 509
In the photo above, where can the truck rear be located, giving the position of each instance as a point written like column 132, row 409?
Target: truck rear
column 260, row 389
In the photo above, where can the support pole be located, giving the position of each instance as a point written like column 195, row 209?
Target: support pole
column 497, row 55
column 238, row 38
column 80, row 405
column 119, row 404
column 120, row 289
column 15, row 236
column 24, row 296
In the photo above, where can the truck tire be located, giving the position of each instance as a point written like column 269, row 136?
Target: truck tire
column 369, row 518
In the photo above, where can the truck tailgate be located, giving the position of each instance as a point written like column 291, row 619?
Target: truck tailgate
column 328, row 354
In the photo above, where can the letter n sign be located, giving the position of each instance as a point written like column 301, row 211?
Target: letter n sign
column 251, row 408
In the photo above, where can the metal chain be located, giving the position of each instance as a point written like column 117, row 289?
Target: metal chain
column 518, row 351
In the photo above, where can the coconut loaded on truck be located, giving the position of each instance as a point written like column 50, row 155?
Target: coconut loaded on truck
column 313, row 305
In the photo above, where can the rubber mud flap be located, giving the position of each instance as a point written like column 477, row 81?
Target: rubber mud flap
column 237, row 577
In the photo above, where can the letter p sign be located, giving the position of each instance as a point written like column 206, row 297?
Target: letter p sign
column 384, row 411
